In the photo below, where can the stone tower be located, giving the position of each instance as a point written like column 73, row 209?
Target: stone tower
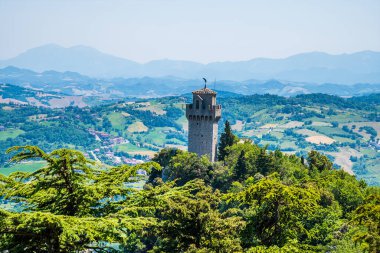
column 203, row 116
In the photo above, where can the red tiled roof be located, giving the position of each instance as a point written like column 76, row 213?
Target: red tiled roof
column 204, row 91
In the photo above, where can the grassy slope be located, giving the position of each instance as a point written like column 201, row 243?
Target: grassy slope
column 252, row 124
column 10, row 133
column 24, row 167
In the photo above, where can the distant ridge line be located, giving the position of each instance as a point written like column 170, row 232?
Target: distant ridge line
column 312, row 67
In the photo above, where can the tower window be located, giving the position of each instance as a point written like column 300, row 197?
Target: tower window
column 197, row 104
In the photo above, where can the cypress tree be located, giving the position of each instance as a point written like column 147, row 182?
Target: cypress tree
column 264, row 161
column 226, row 139
column 241, row 167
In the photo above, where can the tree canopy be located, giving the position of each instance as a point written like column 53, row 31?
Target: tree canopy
column 227, row 138
column 254, row 200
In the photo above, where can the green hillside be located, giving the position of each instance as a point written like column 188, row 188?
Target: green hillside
column 346, row 130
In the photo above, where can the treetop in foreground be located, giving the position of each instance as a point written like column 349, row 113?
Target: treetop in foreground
column 253, row 200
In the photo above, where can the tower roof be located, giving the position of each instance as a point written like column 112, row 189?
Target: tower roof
column 205, row 90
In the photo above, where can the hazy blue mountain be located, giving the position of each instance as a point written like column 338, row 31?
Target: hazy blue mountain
column 80, row 59
column 314, row 67
column 307, row 67
column 72, row 83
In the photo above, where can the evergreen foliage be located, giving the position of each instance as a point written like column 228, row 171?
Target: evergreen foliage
column 241, row 167
column 227, row 138
column 254, row 200
column 318, row 161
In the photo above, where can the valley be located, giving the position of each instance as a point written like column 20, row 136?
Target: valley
column 132, row 130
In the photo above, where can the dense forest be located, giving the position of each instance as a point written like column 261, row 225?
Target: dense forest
column 251, row 200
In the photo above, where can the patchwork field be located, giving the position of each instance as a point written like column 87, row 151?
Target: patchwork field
column 137, row 127
column 324, row 136
column 117, row 120
column 344, row 130
column 238, row 126
column 23, row 167
column 183, row 122
column 306, row 132
column 342, row 158
column 292, row 124
column 129, row 147
column 10, row 133
column 358, row 125
column 155, row 108
column 320, row 139
column 268, row 126
column 320, row 123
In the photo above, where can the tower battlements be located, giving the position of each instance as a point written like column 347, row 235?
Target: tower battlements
column 213, row 112
column 203, row 116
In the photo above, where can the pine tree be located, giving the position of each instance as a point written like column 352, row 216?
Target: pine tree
column 226, row 139
column 241, row 167
column 318, row 161
column 70, row 205
column 264, row 161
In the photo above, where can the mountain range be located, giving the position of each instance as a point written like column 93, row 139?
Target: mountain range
column 314, row 67
column 75, row 84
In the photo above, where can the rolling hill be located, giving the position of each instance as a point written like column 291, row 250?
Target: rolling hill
column 12, row 94
column 345, row 129
column 72, row 83
column 313, row 67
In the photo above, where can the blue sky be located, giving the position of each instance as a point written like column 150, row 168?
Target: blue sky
column 197, row 30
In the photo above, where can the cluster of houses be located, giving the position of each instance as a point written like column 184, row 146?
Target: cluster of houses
column 375, row 144
column 107, row 139
column 108, row 142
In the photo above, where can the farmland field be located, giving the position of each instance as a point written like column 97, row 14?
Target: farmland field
column 129, row 147
column 117, row 120
column 23, row 167
column 294, row 125
column 320, row 139
column 155, row 108
column 10, row 133
column 137, row 127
